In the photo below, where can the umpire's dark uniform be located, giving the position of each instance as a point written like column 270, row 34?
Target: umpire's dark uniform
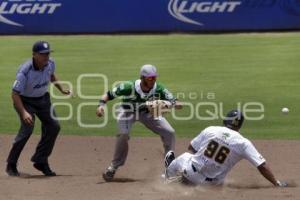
column 30, row 88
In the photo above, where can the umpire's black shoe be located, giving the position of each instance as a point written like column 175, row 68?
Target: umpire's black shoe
column 170, row 156
column 11, row 169
column 44, row 167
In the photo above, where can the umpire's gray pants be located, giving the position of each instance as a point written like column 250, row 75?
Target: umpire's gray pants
column 125, row 121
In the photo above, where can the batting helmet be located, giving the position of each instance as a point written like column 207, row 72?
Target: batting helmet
column 234, row 119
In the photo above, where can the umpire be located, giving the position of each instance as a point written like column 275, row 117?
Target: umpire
column 30, row 99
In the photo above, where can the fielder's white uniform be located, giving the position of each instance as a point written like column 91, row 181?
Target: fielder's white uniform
column 218, row 150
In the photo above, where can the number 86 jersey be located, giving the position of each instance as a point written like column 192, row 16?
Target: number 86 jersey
column 219, row 149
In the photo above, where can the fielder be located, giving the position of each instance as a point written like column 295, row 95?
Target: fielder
column 141, row 98
column 215, row 151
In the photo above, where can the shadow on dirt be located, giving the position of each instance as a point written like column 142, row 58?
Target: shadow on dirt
column 291, row 184
column 29, row 176
column 121, row 180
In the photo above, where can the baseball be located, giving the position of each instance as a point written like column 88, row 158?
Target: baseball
column 285, row 110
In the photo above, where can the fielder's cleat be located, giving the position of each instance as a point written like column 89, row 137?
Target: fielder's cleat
column 170, row 156
column 44, row 168
column 11, row 169
column 109, row 173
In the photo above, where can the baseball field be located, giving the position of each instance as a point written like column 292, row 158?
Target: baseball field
column 211, row 74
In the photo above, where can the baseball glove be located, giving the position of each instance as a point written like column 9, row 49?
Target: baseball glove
column 158, row 107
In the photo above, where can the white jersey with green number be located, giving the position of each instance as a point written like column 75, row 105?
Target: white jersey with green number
column 219, row 149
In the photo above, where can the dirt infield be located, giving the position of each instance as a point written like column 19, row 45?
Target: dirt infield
column 79, row 161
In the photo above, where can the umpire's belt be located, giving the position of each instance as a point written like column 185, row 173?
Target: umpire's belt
column 206, row 179
column 34, row 98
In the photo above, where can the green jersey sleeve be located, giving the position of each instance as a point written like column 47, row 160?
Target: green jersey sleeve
column 164, row 93
column 123, row 89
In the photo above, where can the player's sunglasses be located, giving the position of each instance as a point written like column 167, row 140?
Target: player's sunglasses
column 151, row 78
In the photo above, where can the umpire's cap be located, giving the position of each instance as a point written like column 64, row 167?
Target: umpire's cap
column 148, row 71
column 41, row 47
column 234, row 119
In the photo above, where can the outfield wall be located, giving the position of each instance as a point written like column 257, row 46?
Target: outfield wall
column 113, row 16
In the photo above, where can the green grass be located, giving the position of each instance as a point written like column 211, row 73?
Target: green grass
column 235, row 68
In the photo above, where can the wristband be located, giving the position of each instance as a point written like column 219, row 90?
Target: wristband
column 102, row 102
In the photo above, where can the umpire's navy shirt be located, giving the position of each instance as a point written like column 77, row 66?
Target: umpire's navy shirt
column 32, row 82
